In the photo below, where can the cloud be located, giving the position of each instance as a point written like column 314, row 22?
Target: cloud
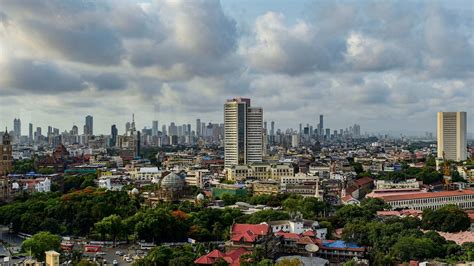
column 107, row 81
column 358, row 61
column 286, row 49
column 32, row 76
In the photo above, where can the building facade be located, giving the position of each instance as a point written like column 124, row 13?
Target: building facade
column 243, row 127
column 6, row 157
column 452, row 133
column 431, row 200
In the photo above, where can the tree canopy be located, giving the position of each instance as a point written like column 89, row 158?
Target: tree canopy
column 41, row 242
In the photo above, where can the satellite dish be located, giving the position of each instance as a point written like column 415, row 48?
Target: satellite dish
column 311, row 248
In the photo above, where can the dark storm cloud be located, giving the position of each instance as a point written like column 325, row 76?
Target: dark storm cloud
column 106, row 81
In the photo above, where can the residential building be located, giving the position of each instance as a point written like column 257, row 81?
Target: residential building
column 452, row 133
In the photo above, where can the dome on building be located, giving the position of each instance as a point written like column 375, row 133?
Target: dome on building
column 172, row 182
column 135, row 191
column 200, row 197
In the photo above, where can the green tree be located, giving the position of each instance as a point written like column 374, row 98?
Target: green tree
column 41, row 242
column 358, row 168
column 449, row 218
column 289, row 262
column 112, row 226
column 408, row 248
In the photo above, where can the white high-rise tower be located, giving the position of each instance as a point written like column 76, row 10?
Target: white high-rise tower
column 242, row 132
column 452, row 132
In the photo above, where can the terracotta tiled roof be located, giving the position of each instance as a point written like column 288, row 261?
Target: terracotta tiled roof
column 428, row 195
column 363, row 181
column 309, row 233
column 288, row 235
column 305, row 240
column 248, row 232
column 231, row 257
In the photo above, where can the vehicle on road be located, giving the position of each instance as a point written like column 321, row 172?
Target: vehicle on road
column 115, row 262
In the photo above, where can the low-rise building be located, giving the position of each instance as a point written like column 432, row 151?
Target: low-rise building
column 269, row 187
column 260, row 171
column 298, row 226
column 431, row 200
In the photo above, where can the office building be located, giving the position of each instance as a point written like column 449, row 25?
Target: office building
column 113, row 136
column 89, row 127
column 30, row 132
column 154, row 128
column 17, row 128
column 198, row 127
column 75, row 130
column 254, row 134
column 242, row 132
column 452, row 131
column 321, row 125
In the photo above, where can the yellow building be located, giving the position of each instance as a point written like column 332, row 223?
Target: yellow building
column 52, row 258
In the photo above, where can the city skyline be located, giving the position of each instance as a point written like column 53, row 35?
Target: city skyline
column 121, row 126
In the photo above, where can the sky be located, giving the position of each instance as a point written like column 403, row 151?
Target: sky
column 386, row 65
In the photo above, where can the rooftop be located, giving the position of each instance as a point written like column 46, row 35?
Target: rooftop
column 426, row 195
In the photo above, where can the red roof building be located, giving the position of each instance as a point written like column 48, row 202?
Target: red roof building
column 231, row 257
column 248, row 233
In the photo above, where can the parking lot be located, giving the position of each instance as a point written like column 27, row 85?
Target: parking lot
column 123, row 255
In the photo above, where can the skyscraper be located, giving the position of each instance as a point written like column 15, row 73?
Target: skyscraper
column 75, row 130
column 113, row 134
column 30, row 132
column 242, row 132
column 154, row 128
column 17, row 128
column 452, row 132
column 254, row 134
column 89, row 127
column 198, row 127
column 272, row 128
column 321, row 125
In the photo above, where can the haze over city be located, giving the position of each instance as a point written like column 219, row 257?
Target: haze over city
column 388, row 66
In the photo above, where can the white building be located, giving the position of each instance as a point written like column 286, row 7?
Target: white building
column 43, row 186
column 298, row 226
column 145, row 173
column 243, row 127
column 411, row 184
column 452, row 132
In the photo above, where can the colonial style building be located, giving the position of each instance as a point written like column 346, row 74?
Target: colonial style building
column 431, row 200
column 260, row 171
